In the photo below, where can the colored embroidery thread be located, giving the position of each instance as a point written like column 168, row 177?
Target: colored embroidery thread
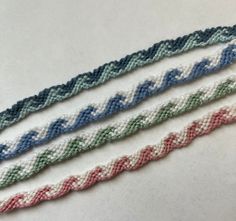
column 120, row 101
column 132, row 162
column 74, row 146
column 110, row 70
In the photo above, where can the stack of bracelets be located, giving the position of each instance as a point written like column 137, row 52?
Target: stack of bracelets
column 120, row 101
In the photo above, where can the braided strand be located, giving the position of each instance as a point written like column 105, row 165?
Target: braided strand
column 173, row 141
column 69, row 148
column 158, row 51
column 119, row 102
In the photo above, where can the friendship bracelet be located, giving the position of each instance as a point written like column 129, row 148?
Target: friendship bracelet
column 118, row 102
column 115, row 167
column 74, row 146
column 113, row 69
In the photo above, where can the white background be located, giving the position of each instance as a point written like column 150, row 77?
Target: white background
column 43, row 43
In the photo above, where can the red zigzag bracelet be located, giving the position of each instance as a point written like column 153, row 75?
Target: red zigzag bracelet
column 203, row 126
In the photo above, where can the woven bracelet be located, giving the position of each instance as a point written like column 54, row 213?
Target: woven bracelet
column 110, row 70
column 117, row 166
column 118, row 102
column 25, row 169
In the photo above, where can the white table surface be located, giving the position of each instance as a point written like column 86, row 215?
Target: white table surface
column 46, row 42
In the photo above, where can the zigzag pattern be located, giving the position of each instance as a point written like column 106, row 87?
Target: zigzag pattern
column 119, row 102
column 110, row 70
column 25, row 169
column 173, row 141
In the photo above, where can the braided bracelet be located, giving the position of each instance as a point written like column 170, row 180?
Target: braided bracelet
column 115, row 167
column 120, row 101
column 110, row 70
column 72, row 147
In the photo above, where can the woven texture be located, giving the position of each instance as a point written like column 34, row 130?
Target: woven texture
column 69, row 148
column 120, row 101
column 132, row 162
column 113, row 69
